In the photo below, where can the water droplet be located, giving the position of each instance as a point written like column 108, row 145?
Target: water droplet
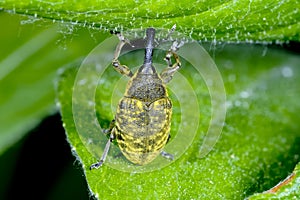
column 82, row 82
column 287, row 72
column 237, row 103
column 244, row 94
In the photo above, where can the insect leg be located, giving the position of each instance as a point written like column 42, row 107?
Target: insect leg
column 168, row 72
column 111, row 126
column 104, row 155
column 122, row 69
column 167, row 155
column 171, row 31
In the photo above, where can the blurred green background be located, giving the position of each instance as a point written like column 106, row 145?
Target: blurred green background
column 35, row 158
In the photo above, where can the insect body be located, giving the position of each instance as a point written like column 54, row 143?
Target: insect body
column 142, row 122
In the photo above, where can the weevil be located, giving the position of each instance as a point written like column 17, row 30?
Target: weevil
column 141, row 126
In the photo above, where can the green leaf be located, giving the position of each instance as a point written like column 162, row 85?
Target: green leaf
column 287, row 189
column 258, row 146
column 30, row 55
column 250, row 21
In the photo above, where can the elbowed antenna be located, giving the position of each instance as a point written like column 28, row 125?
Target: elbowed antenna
column 150, row 35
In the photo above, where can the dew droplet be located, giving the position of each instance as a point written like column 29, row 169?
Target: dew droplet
column 287, row 72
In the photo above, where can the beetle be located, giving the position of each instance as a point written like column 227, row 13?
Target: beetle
column 141, row 126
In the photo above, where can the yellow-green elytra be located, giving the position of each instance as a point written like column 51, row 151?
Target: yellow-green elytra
column 142, row 122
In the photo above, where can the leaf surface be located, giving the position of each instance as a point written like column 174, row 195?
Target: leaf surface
column 258, row 146
column 229, row 21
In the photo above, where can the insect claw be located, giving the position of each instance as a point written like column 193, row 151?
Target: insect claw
column 96, row 165
column 167, row 155
column 171, row 31
column 114, row 32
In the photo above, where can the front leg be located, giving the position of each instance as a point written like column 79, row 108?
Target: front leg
column 167, row 73
column 122, row 69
